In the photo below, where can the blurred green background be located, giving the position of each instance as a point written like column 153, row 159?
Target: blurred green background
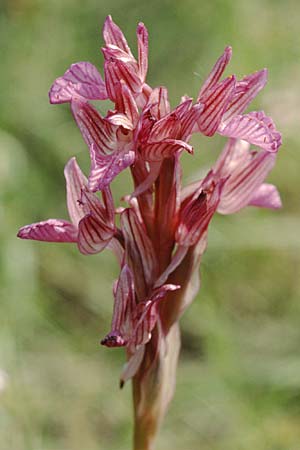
column 239, row 373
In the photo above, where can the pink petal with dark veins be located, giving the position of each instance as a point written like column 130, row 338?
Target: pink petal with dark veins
column 95, row 130
column 139, row 253
column 92, row 235
column 147, row 313
column 126, row 104
column 52, row 230
column 104, row 168
column 124, row 311
column 244, row 181
column 113, row 35
column 245, row 91
column 75, row 182
column 216, row 73
column 142, row 36
column 215, row 102
column 164, row 149
column 256, row 128
column 82, row 79
column 159, row 103
column 117, row 70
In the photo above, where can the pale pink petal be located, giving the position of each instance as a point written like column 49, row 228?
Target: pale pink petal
column 215, row 102
column 266, row 196
column 104, row 168
column 148, row 315
column 52, row 230
column 190, row 119
column 113, row 35
column 171, row 124
column 117, row 70
column 134, row 204
column 124, row 311
column 159, row 102
column 189, row 190
column 120, row 120
column 75, row 183
column 236, row 152
column 126, row 104
column 167, row 127
column 92, row 235
column 95, row 130
column 132, row 366
column 164, row 149
column 142, row 98
column 142, row 36
column 104, row 215
column 245, row 91
column 80, row 80
column 244, row 181
column 139, row 253
column 197, row 212
column 116, row 247
column 216, row 73
column 256, row 128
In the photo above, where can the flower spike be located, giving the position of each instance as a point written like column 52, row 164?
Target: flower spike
column 163, row 230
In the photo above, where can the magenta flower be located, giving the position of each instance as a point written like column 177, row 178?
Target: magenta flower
column 163, row 230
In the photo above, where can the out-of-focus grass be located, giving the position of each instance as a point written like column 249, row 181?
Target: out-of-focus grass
column 239, row 373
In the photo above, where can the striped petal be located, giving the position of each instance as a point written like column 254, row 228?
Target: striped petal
column 124, row 311
column 197, row 211
column 75, row 183
column 215, row 102
column 142, row 37
column 147, row 315
column 244, row 181
column 139, row 252
column 164, row 149
column 126, row 104
column 190, row 119
column 52, row 230
column 116, row 70
column 102, row 213
column 266, row 196
column 159, row 103
column 167, row 127
column 95, row 130
column 245, row 91
column 104, row 168
column 82, row 79
column 216, row 73
column 92, row 235
column 113, row 35
column 256, row 128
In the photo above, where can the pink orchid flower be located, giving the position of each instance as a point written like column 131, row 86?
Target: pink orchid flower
column 92, row 222
column 133, row 321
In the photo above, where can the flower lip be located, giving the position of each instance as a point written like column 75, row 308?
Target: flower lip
column 113, row 339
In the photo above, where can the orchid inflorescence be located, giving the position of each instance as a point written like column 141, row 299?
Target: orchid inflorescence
column 162, row 233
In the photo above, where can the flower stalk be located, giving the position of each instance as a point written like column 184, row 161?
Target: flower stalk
column 163, row 229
